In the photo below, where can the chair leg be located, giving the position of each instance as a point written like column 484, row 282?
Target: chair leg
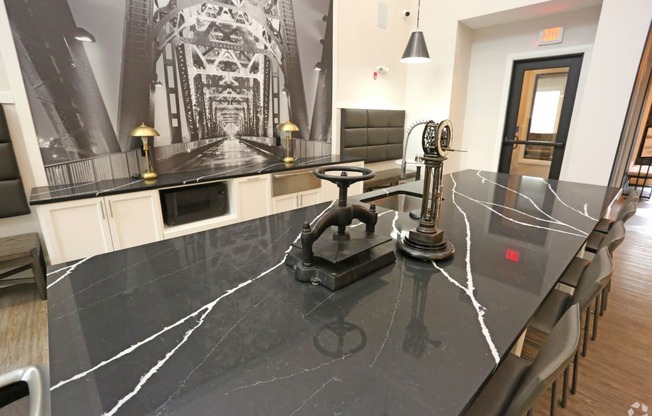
column 596, row 314
column 564, row 390
column 587, row 322
column 576, row 365
column 553, row 398
column 605, row 296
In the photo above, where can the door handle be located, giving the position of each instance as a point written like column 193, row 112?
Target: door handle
column 534, row 143
column 102, row 210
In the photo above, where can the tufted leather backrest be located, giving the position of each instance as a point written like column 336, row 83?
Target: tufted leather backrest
column 375, row 135
column 12, row 194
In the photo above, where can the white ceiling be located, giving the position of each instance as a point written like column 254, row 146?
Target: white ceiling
column 529, row 12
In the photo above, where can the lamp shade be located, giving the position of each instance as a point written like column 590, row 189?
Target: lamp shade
column 416, row 51
column 144, row 131
column 288, row 126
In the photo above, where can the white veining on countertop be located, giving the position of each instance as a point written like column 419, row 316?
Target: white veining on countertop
column 314, row 160
column 118, row 187
column 583, row 213
column 469, row 289
column 70, row 268
column 391, row 322
column 315, row 393
column 486, row 204
column 216, row 346
column 580, row 233
column 212, row 174
column 51, row 191
column 319, row 304
column 296, row 373
column 205, row 309
column 267, row 167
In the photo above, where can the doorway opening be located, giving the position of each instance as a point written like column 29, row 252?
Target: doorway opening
column 541, row 98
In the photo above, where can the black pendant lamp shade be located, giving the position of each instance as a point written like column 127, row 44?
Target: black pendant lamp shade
column 416, row 51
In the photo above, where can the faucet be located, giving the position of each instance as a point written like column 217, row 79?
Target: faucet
column 405, row 145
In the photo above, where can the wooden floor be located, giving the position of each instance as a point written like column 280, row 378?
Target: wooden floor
column 616, row 374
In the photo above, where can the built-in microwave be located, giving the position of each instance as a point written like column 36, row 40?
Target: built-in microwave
column 194, row 203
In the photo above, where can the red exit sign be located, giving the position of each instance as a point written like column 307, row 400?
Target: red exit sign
column 512, row 255
column 551, row 35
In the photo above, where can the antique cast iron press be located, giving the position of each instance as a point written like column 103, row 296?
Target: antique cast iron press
column 426, row 241
column 349, row 255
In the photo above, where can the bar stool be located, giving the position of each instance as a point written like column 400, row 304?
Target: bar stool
column 594, row 241
column 611, row 240
column 20, row 253
column 517, row 384
column 594, row 279
column 605, row 224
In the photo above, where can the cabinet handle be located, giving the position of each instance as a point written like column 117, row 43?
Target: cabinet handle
column 111, row 209
column 296, row 200
column 102, row 209
column 300, row 200
column 254, row 179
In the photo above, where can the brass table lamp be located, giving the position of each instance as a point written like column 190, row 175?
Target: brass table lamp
column 145, row 132
column 286, row 130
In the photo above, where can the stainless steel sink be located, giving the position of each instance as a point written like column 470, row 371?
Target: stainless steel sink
column 398, row 201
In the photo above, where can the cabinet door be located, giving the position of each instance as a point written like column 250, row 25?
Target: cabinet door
column 284, row 203
column 75, row 229
column 134, row 218
column 253, row 197
column 307, row 198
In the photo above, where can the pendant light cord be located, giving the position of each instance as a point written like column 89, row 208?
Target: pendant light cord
column 418, row 13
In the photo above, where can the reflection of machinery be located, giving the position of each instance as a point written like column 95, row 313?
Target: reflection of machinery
column 417, row 336
column 339, row 338
column 426, row 241
column 348, row 255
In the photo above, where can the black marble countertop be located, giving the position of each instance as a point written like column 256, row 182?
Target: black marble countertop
column 215, row 323
column 49, row 194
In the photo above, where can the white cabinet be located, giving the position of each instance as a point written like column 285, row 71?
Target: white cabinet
column 86, row 227
column 330, row 191
column 253, row 197
column 296, row 200
column 134, row 218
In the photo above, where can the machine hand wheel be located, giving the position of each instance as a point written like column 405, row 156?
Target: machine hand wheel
column 344, row 179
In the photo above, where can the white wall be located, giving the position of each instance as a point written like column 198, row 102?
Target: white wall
column 359, row 47
column 21, row 128
column 597, row 125
column 493, row 50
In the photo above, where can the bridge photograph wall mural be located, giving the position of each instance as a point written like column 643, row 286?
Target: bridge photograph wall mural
column 214, row 78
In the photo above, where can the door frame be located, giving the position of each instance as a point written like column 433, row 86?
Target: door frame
column 585, row 49
column 574, row 64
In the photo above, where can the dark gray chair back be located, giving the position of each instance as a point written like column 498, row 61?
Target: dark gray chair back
column 614, row 237
column 553, row 358
column 595, row 277
column 626, row 212
column 12, row 195
column 633, row 196
column 375, row 135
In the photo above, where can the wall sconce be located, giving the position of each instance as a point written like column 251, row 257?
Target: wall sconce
column 145, row 132
column 286, row 130
column 416, row 51
column 83, row 35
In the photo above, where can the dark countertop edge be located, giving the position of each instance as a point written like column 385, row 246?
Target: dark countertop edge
column 161, row 183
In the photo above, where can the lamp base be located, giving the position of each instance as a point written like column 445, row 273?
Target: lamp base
column 148, row 175
column 288, row 159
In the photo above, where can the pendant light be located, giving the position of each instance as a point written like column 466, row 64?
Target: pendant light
column 416, row 51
